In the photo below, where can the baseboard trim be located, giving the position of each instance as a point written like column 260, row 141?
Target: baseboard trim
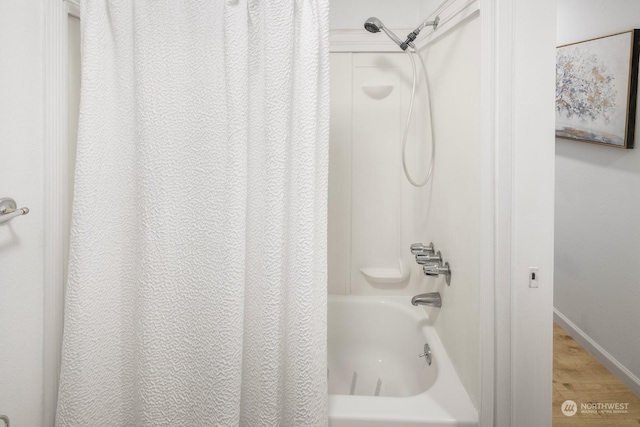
column 607, row 360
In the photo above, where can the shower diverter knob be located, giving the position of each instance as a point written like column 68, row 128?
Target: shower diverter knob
column 436, row 270
column 419, row 248
column 429, row 258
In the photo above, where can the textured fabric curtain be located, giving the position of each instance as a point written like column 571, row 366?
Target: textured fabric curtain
column 197, row 279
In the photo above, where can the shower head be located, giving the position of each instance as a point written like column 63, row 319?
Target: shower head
column 374, row 25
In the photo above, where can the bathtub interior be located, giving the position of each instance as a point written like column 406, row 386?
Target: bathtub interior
column 374, row 348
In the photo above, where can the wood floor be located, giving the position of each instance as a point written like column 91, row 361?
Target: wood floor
column 578, row 376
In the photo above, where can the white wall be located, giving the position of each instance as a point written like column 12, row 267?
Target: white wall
column 21, row 241
column 525, row 133
column 351, row 14
column 597, row 211
column 450, row 215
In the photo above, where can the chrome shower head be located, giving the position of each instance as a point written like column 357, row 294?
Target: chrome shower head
column 373, row 25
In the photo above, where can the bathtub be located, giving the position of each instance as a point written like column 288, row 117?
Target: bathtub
column 375, row 376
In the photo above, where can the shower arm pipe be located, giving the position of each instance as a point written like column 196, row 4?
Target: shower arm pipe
column 433, row 24
column 444, row 16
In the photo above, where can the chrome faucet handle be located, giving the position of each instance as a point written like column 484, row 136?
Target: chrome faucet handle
column 419, row 248
column 429, row 258
column 436, row 270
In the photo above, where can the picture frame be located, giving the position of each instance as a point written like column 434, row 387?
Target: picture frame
column 597, row 88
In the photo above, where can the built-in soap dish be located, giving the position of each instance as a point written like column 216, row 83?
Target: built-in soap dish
column 387, row 275
column 377, row 91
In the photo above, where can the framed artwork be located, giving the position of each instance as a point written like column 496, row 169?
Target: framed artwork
column 597, row 88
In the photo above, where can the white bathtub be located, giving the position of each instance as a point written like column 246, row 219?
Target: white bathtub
column 376, row 378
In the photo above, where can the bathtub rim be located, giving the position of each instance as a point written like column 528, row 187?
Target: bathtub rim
column 445, row 402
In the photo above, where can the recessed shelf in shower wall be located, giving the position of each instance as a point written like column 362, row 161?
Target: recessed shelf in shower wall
column 377, row 91
column 372, row 209
column 388, row 275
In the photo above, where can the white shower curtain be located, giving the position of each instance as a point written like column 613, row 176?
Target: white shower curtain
column 197, row 280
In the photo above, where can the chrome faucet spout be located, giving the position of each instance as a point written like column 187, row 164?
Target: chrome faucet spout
column 431, row 299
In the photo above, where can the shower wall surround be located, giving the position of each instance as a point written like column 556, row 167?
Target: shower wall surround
column 372, row 208
column 375, row 214
column 450, row 213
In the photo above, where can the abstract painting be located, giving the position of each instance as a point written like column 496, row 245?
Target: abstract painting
column 596, row 89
